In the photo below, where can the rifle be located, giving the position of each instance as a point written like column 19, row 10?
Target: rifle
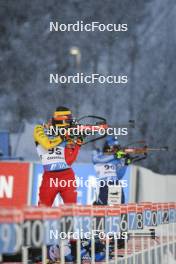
column 142, row 150
column 95, row 125
column 88, row 124
column 133, row 153
column 90, row 128
column 78, row 128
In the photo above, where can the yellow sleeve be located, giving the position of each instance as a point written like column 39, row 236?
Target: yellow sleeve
column 41, row 138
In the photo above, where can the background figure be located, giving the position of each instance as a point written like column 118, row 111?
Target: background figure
column 109, row 170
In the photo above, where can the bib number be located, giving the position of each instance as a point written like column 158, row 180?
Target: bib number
column 56, row 151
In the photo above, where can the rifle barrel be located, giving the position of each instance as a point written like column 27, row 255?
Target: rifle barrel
column 143, row 149
column 157, row 149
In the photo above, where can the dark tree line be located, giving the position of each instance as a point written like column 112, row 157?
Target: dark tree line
column 146, row 53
